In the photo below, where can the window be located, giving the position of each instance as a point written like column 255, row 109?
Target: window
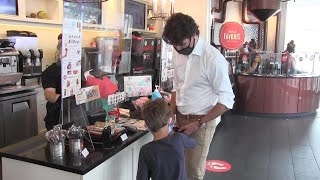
column 302, row 25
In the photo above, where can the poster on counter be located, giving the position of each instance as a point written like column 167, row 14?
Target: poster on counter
column 87, row 94
column 136, row 86
column 71, row 57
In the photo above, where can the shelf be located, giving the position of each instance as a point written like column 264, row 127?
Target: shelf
column 50, row 7
column 28, row 21
column 43, row 21
column 144, row 31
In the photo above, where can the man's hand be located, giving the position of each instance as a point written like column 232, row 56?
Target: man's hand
column 190, row 128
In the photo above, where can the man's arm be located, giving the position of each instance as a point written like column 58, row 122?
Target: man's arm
column 218, row 77
column 51, row 95
column 215, row 112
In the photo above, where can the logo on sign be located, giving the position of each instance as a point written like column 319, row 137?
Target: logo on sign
column 231, row 35
column 217, row 166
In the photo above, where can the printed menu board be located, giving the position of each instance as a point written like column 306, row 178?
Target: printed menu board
column 71, row 57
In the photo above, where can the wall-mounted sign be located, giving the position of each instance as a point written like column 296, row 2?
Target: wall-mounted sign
column 231, row 35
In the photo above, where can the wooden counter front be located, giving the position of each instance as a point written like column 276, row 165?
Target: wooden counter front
column 277, row 94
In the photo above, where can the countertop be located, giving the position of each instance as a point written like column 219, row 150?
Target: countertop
column 36, row 150
column 280, row 76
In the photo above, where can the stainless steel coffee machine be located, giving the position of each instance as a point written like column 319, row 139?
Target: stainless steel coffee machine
column 9, row 74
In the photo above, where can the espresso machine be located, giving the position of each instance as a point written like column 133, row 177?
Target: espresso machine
column 9, row 74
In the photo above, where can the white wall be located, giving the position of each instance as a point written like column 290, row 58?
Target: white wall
column 200, row 11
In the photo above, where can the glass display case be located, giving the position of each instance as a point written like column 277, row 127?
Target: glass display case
column 278, row 64
column 105, row 60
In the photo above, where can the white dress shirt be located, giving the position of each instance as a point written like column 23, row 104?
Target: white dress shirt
column 201, row 80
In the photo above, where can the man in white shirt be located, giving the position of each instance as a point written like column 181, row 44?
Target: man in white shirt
column 202, row 89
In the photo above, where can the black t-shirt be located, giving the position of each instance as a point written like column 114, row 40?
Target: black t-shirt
column 51, row 78
column 164, row 159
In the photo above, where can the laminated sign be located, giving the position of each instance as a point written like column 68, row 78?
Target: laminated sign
column 71, row 57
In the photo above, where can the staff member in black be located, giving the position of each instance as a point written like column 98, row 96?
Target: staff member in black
column 51, row 83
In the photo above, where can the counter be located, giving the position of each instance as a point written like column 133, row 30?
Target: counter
column 276, row 94
column 31, row 160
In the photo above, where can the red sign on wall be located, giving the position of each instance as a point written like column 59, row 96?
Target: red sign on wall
column 231, row 35
column 217, row 166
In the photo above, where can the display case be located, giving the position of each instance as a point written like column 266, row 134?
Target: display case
column 278, row 83
column 278, row 64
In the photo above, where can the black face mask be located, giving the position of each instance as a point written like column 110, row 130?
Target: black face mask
column 187, row 50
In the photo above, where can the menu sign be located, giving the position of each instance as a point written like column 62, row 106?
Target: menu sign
column 231, row 35
column 71, row 57
column 87, row 94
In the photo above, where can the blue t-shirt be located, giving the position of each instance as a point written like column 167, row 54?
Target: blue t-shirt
column 164, row 159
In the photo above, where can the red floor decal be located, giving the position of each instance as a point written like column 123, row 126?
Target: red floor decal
column 217, row 166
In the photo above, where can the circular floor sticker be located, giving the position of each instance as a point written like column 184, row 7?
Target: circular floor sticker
column 217, row 166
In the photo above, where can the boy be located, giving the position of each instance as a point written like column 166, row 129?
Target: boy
column 163, row 158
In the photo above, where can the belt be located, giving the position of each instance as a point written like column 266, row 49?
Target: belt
column 190, row 117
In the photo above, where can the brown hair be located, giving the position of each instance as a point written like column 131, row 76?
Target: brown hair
column 178, row 27
column 156, row 114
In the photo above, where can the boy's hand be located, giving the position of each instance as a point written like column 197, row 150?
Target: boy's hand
column 190, row 128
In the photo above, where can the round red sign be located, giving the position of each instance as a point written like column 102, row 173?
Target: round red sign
column 231, row 35
column 217, row 166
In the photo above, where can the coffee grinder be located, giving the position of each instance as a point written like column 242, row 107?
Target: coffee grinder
column 36, row 61
column 30, row 57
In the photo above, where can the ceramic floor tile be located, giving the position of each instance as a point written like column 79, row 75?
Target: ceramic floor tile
column 306, row 167
column 301, row 177
column 304, row 152
column 265, row 148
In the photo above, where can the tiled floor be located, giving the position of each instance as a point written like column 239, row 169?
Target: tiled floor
column 267, row 148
